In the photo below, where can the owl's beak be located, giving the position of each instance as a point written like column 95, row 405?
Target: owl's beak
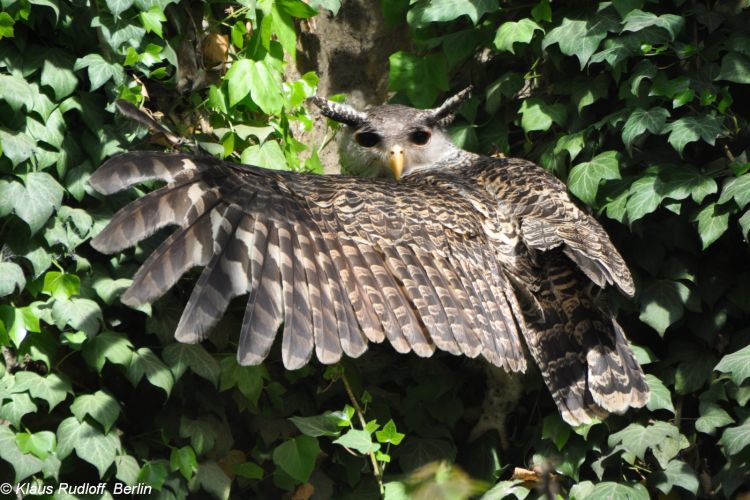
column 396, row 161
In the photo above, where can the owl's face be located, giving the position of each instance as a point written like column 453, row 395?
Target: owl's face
column 393, row 140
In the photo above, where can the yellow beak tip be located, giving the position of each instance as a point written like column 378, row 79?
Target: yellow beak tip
column 396, row 161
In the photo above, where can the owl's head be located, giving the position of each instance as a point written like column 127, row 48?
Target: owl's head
column 393, row 140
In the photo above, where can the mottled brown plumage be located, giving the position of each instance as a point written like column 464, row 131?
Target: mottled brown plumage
column 466, row 254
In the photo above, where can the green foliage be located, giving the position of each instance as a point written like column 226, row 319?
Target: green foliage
column 641, row 107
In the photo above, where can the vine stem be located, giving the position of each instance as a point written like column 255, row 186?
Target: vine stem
column 358, row 409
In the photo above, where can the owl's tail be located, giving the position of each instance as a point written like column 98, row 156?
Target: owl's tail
column 580, row 349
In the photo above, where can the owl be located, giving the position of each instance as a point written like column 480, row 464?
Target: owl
column 443, row 250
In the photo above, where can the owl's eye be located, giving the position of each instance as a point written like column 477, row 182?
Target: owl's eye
column 420, row 137
column 367, row 139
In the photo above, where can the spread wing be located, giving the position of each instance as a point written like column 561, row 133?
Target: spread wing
column 579, row 348
column 339, row 261
column 549, row 219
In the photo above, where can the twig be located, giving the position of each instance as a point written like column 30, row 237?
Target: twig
column 358, row 409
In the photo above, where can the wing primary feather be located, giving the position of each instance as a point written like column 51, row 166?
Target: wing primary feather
column 422, row 342
column 127, row 169
column 368, row 321
column 327, row 344
column 399, row 309
column 224, row 277
column 187, row 247
column 298, row 338
column 264, row 311
column 144, row 216
column 346, row 322
column 464, row 338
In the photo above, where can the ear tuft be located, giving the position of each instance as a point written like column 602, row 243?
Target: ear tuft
column 443, row 115
column 341, row 113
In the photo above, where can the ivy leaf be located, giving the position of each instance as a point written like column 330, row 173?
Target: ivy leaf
column 145, row 362
column 737, row 188
column 585, row 177
column 587, row 92
column 267, row 155
column 389, row 434
column 735, row 67
column 248, row 379
column 636, row 439
column 580, row 38
column 108, row 346
column 153, row 473
column 17, row 147
column 572, row 143
column 642, row 120
column 41, row 196
column 212, row 478
column 677, row 473
column 239, row 81
column 61, row 285
column 249, row 470
column 318, row 425
column 89, row 443
column 11, row 278
column 501, row 490
column 297, row 457
column 52, row 388
column 16, row 92
column 685, row 180
column 713, row 221
column 81, row 314
column 556, row 430
column 258, row 79
column 202, row 433
column 100, row 406
column 712, row 417
column 637, row 20
column 515, row 32
column 179, row 357
column 127, row 469
column 359, row 440
column 745, row 225
column 57, row 73
column 24, row 464
column 507, row 86
column 40, row 444
column 13, row 409
column 645, row 196
column 6, row 25
column 152, row 19
column 331, row 5
column 108, row 289
column 18, row 322
column 301, row 10
column 421, row 77
column 661, row 398
column 692, row 128
column 184, row 460
column 539, row 115
column 283, row 26
column 662, row 304
column 99, row 70
column 737, row 365
column 692, row 374
column 425, row 12
column 117, row 7
column 735, row 439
